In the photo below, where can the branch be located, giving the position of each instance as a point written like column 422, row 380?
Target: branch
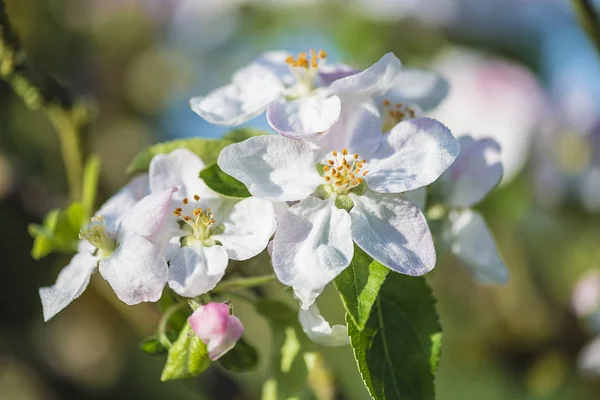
column 589, row 20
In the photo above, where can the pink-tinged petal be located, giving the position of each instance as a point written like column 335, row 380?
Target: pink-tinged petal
column 273, row 167
column 149, row 215
column 473, row 244
column 330, row 73
column 413, row 86
column 252, row 89
column 412, row 155
column 137, row 270
column 181, row 168
column 217, row 328
column 358, row 130
column 306, row 117
column 394, row 232
column 70, row 284
column 312, row 246
column 122, row 202
column 476, row 172
column 197, row 269
column 248, row 228
column 373, row 81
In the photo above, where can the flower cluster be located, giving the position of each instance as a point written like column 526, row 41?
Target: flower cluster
column 353, row 164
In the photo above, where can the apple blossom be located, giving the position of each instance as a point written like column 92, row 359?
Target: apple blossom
column 214, row 228
column 475, row 173
column 123, row 240
column 217, row 328
column 344, row 198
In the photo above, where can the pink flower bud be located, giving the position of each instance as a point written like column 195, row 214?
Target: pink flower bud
column 218, row 329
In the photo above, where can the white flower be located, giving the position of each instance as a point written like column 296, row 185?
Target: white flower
column 492, row 98
column 302, row 95
column 214, row 229
column 123, row 239
column 314, row 241
column 475, row 173
column 320, row 331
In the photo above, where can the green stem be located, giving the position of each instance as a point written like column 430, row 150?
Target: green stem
column 41, row 91
column 69, row 141
column 589, row 20
column 164, row 321
column 243, row 283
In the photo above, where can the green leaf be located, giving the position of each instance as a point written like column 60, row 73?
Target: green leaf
column 359, row 284
column 398, row 350
column 188, row 357
column 288, row 364
column 59, row 232
column 207, row 149
column 242, row 358
column 241, row 134
column 91, row 175
column 222, row 183
column 152, row 345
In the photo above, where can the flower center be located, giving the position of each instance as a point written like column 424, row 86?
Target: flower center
column 344, row 175
column 200, row 221
column 305, row 71
column 96, row 233
column 395, row 113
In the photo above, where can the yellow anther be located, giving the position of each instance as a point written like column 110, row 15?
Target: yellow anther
column 356, row 156
column 365, row 173
column 331, row 162
column 326, row 168
column 334, row 153
column 322, row 54
column 186, row 218
column 345, row 152
column 177, row 213
column 185, row 201
column 196, row 197
column 327, row 178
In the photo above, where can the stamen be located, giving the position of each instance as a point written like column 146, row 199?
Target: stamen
column 196, row 197
column 185, row 201
column 341, row 174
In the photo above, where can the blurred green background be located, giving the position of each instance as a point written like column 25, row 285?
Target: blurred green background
column 521, row 71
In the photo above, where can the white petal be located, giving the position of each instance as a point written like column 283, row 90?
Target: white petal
column 474, row 245
column 275, row 61
column 149, row 215
column 252, row 89
column 180, row 167
column 320, row 331
column 137, row 270
column 588, row 360
column 122, row 202
column 418, row 197
column 358, row 130
column 70, row 284
column 312, row 246
column 373, row 81
column 475, row 173
column 196, row 269
column 248, row 228
column 273, row 167
column 393, row 231
column 305, row 117
column 413, row 154
column 424, row 88
column 330, row 73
